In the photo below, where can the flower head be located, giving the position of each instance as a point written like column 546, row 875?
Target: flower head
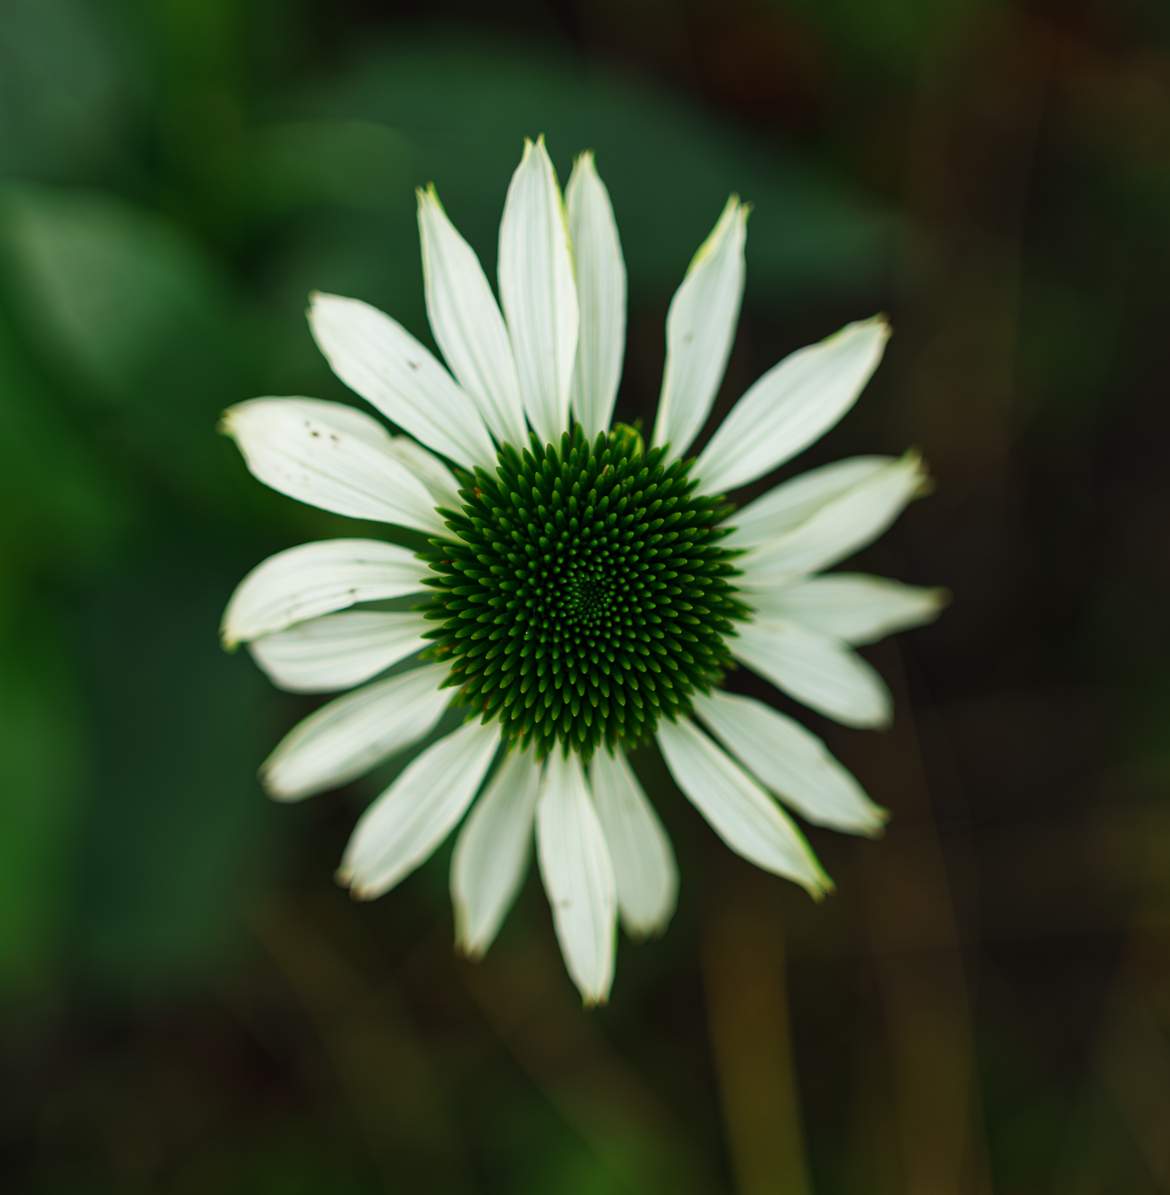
column 583, row 592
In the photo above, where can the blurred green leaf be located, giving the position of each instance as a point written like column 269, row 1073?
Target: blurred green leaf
column 465, row 109
column 176, row 835
column 352, row 163
column 43, row 765
column 129, row 315
column 62, row 78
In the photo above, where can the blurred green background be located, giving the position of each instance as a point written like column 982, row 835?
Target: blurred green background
column 188, row 1004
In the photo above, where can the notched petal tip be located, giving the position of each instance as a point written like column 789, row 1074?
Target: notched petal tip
column 469, row 950
column 823, row 887
column 225, row 425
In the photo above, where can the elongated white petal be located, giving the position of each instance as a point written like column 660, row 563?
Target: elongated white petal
column 700, row 329
column 792, row 502
column 330, row 456
column 337, row 651
column 792, row 405
column 791, row 761
column 405, row 824
column 355, row 733
column 851, row 606
column 823, row 672
column 643, row 860
column 539, row 292
column 578, row 876
column 437, row 479
column 739, row 810
column 837, row 529
column 319, row 578
column 467, row 323
column 380, row 360
column 492, row 853
column 601, row 297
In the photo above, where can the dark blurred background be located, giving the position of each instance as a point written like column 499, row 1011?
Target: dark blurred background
column 188, row 1003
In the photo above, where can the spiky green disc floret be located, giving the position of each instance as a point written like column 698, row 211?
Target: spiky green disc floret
column 586, row 596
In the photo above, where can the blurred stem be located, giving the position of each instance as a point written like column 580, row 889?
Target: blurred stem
column 525, row 996
column 365, row 1028
column 908, row 906
column 747, row 1009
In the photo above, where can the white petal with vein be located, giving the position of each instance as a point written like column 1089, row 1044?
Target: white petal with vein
column 337, row 651
column 792, row 405
column 355, row 733
column 837, row 529
column 319, row 578
column 601, row 297
column 700, row 329
column 639, row 849
column 577, row 875
column 378, row 358
column 539, row 292
column 739, row 810
column 789, row 504
column 330, row 456
column 492, row 852
column 467, row 323
column 409, row 820
column 823, row 672
column 791, row 761
column 851, row 606
column 439, row 481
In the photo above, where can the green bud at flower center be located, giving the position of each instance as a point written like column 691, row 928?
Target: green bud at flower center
column 586, row 595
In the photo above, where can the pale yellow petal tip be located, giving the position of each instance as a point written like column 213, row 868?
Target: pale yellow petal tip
column 877, row 829
column 912, row 458
column 881, row 321
column 228, row 639
column 589, row 1001
column 226, row 424
column 468, row 950
column 820, row 888
column 428, row 196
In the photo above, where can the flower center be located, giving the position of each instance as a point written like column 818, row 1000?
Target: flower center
column 587, row 595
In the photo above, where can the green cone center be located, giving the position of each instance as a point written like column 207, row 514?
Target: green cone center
column 586, row 595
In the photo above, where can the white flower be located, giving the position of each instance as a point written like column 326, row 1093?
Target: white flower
column 586, row 593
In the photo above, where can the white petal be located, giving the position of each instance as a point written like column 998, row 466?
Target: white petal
column 792, row 502
column 355, row 733
column 739, row 810
column 317, row 579
column 338, row 650
column 790, row 761
column 492, row 853
column 330, row 456
column 700, row 329
column 405, row 824
column 851, row 606
column 467, row 323
column 601, row 297
column 819, row 670
column 837, row 529
column 577, row 875
column 438, row 480
column 792, row 405
column 643, row 860
column 380, row 360
column 538, row 291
